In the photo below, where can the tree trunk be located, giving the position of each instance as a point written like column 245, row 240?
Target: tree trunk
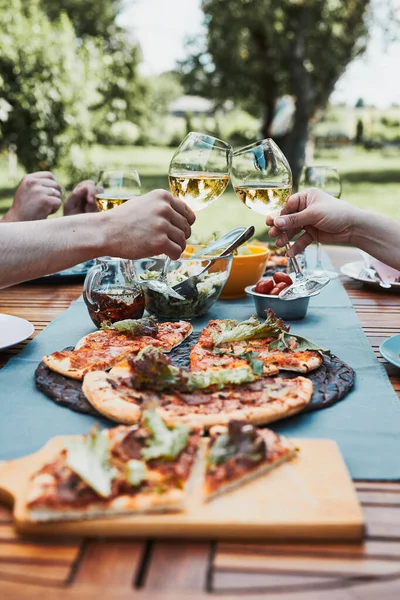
column 294, row 145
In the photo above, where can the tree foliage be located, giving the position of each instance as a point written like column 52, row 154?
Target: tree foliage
column 258, row 50
column 41, row 75
column 95, row 18
column 65, row 77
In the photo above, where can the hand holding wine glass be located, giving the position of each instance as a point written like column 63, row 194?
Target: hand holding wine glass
column 262, row 180
column 198, row 175
column 326, row 179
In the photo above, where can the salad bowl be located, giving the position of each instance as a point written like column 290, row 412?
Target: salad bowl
column 211, row 280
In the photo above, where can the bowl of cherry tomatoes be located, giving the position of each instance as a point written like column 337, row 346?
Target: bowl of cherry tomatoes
column 265, row 294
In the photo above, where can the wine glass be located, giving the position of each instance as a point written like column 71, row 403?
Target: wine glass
column 262, row 180
column 116, row 186
column 198, row 175
column 328, row 180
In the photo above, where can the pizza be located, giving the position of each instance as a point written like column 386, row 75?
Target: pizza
column 238, row 452
column 104, row 348
column 139, row 469
column 212, row 352
column 201, row 399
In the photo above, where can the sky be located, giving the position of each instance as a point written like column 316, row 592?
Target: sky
column 162, row 26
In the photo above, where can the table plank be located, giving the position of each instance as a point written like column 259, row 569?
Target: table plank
column 178, row 565
column 108, row 562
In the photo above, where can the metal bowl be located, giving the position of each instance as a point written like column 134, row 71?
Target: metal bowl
column 290, row 310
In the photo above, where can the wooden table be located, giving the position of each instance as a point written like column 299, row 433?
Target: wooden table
column 174, row 570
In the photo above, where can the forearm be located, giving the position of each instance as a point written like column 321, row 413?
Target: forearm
column 34, row 249
column 379, row 236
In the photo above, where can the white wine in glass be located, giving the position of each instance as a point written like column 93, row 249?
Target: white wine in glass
column 197, row 189
column 116, row 186
column 264, row 199
column 328, row 180
column 262, row 180
column 198, row 175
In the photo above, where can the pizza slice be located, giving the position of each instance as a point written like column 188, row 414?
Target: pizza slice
column 227, row 343
column 123, row 470
column 104, row 348
column 238, row 453
column 201, row 399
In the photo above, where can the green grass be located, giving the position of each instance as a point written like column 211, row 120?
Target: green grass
column 370, row 180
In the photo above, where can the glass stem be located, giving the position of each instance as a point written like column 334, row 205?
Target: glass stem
column 319, row 266
column 165, row 269
column 293, row 260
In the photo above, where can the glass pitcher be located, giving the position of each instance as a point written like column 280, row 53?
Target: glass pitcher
column 111, row 292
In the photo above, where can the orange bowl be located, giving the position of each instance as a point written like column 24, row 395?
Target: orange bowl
column 246, row 270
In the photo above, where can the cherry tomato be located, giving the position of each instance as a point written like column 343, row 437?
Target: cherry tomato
column 264, row 286
column 275, row 291
column 281, row 286
column 282, row 278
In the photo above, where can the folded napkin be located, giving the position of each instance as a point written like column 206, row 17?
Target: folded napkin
column 387, row 273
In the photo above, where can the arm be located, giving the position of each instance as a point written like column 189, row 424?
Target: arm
column 158, row 223
column 325, row 219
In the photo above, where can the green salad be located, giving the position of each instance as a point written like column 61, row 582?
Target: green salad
column 209, row 287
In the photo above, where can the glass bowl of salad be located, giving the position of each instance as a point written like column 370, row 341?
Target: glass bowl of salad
column 211, row 275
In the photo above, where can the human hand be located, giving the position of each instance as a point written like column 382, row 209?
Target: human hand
column 81, row 199
column 37, row 196
column 323, row 218
column 156, row 223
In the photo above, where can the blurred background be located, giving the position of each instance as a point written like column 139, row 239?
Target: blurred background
column 88, row 84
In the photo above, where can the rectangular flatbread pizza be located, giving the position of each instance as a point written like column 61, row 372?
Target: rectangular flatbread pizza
column 138, row 469
column 104, row 348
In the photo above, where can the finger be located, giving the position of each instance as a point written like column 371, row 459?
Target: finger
column 183, row 209
column 172, row 250
column 51, row 183
column 301, row 244
column 43, row 175
column 275, row 232
column 181, row 223
column 294, row 220
column 177, row 236
column 53, row 203
column 87, row 190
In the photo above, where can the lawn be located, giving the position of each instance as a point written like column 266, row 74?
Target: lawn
column 370, row 180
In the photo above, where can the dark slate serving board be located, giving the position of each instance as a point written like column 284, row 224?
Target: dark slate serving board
column 331, row 381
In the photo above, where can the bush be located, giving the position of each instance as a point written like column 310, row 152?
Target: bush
column 42, row 77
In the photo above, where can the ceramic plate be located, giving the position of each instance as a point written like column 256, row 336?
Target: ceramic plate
column 353, row 270
column 13, row 330
column 390, row 350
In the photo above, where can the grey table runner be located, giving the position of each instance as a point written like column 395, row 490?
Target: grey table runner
column 366, row 424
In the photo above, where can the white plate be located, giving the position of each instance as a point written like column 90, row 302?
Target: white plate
column 353, row 270
column 13, row 330
column 390, row 350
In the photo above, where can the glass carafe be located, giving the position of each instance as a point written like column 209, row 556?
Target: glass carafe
column 111, row 292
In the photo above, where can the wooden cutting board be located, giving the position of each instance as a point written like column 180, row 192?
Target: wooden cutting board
column 310, row 497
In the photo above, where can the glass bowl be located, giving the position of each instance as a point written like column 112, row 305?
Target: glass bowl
column 209, row 286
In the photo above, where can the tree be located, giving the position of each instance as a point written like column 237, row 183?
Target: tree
column 95, row 18
column 42, row 73
column 59, row 86
column 257, row 50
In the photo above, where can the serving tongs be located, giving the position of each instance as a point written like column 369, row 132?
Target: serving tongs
column 188, row 288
